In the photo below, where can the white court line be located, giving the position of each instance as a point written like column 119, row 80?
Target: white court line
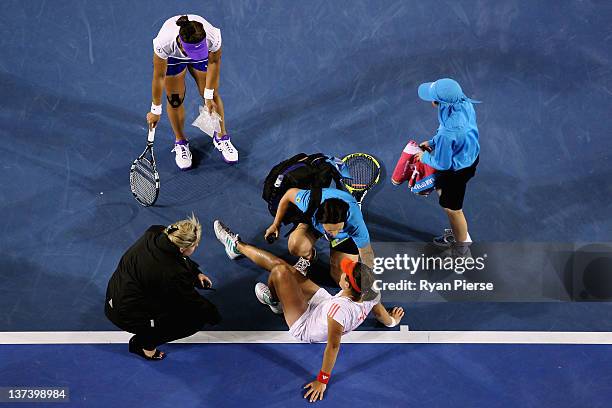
column 392, row 336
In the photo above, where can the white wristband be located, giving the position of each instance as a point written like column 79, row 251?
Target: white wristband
column 156, row 109
column 393, row 322
column 208, row 93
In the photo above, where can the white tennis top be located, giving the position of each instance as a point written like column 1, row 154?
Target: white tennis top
column 342, row 309
column 165, row 45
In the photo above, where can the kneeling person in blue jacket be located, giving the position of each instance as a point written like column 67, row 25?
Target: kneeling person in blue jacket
column 337, row 217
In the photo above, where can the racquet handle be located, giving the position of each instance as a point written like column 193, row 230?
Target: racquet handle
column 151, row 135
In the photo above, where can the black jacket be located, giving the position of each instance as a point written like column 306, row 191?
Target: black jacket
column 155, row 281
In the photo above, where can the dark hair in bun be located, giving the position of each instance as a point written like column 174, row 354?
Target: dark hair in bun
column 191, row 32
column 332, row 211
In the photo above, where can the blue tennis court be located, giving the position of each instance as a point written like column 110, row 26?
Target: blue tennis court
column 371, row 375
column 315, row 76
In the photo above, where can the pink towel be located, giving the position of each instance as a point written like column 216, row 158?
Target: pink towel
column 420, row 176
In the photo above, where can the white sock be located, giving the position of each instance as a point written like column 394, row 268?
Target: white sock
column 468, row 239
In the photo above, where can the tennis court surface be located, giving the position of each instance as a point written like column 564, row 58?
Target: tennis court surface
column 315, row 76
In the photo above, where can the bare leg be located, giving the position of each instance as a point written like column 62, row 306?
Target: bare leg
column 283, row 284
column 221, row 112
column 270, row 262
column 458, row 224
column 301, row 241
column 259, row 257
column 286, row 284
column 176, row 85
column 200, row 79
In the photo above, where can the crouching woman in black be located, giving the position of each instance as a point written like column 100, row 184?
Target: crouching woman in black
column 152, row 292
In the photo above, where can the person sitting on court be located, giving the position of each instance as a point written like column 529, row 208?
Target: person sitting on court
column 152, row 292
column 338, row 218
column 453, row 151
column 188, row 43
column 311, row 313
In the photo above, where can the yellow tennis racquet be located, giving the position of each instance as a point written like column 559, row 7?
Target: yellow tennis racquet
column 365, row 174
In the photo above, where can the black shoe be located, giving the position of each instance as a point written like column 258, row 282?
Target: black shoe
column 135, row 348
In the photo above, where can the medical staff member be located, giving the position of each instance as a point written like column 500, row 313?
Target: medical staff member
column 338, row 218
column 152, row 292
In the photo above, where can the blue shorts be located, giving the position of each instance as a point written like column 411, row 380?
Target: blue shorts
column 176, row 66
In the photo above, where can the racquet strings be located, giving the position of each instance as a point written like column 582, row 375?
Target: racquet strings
column 363, row 170
column 143, row 181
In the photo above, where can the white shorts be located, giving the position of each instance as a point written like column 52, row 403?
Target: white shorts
column 298, row 328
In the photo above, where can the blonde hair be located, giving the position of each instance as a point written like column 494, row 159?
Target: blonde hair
column 185, row 233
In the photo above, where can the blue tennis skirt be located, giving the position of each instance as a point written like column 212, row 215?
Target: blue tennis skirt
column 176, row 66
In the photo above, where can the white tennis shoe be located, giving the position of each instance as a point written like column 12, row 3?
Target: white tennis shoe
column 227, row 149
column 228, row 239
column 262, row 291
column 182, row 156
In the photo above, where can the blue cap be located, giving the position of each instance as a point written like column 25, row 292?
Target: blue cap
column 443, row 90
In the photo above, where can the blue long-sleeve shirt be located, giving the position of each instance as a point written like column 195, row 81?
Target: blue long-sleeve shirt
column 456, row 143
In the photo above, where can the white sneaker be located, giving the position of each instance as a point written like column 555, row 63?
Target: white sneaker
column 228, row 239
column 227, row 149
column 262, row 291
column 182, row 156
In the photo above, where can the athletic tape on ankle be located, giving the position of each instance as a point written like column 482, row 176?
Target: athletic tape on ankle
column 209, row 93
column 156, row 109
column 323, row 377
column 393, row 323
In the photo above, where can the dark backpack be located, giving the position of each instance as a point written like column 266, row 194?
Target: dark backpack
column 303, row 171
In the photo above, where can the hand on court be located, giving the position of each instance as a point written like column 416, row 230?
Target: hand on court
column 211, row 105
column 272, row 230
column 205, row 281
column 316, row 390
column 397, row 313
column 152, row 119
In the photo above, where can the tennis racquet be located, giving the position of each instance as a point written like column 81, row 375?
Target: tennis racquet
column 365, row 173
column 144, row 178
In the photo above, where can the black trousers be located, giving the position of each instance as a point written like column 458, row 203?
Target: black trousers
column 170, row 327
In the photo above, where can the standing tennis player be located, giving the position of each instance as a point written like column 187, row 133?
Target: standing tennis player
column 337, row 217
column 188, row 43
column 453, row 151
column 312, row 314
